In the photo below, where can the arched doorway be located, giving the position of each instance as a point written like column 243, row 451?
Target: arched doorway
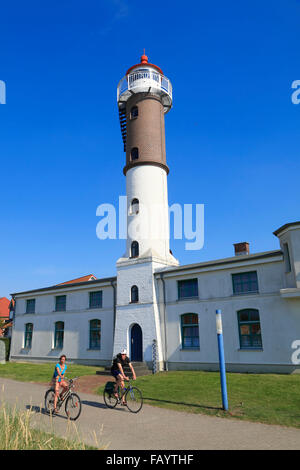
column 136, row 342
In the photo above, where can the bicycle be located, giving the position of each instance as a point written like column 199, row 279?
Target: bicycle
column 73, row 402
column 133, row 397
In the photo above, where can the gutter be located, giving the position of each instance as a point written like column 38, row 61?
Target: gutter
column 71, row 286
column 113, row 284
column 165, row 321
column 12, row 319
column 222, row 263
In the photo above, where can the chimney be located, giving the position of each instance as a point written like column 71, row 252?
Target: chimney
column 241, row 248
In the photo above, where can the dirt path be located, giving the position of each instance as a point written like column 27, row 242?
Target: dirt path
column 87, row 383
column 90, row 383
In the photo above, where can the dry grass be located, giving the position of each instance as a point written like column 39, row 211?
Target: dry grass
column 17, row 433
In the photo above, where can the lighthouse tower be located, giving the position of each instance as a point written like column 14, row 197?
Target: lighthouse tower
column 144, row 97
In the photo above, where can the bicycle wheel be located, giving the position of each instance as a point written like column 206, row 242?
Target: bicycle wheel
column 109, row 399
column 49, row 401
column 134, row 399
column 73, row 406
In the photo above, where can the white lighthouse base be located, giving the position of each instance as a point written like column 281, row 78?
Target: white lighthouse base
column 145, row 313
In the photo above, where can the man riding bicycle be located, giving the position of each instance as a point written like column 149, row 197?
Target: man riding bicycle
column 117, row 372
column 58, row 379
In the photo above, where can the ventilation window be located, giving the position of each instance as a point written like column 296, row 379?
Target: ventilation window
column 134, row 294
column 134, row 249
column 134, row 209
column 134, row 112
column 134, row 153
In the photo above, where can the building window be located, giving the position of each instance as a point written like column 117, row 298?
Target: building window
column 134, row 249
column 249, row 329
column 96, row 299
column 60, row 303
column 59, row 335
column 134, row 294
column 95, row 334
column 244, row 283
column 134, row 112
column 28, row 335
column 134, row 153
column 30, row 306
column 134, row 207
column 190, row 331
column 286, row 256
column 187, row 288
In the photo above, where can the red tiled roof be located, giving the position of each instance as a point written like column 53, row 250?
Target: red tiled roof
column 89, row 277
column 4, row 307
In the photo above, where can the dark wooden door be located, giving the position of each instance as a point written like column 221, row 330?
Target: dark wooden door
column 136, row 343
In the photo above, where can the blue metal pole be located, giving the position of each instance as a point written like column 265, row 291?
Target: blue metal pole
column 222, row 359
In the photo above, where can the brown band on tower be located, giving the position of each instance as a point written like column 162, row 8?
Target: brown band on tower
column 145, row 124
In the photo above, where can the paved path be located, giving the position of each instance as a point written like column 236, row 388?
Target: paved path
column 153, row 428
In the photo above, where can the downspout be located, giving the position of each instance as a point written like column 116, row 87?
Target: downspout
column 165, row 321
column 115, row 296
column 13, row 323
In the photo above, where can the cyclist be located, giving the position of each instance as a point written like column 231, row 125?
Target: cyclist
column 58, row 379
column 117, row 371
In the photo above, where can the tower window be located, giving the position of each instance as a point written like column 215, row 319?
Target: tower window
column 134, row 209
column 134, row 112
column 134, row 153
column 134, row 249
column 134, row 294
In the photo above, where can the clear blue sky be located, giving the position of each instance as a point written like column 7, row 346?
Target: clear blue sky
column 232, row 135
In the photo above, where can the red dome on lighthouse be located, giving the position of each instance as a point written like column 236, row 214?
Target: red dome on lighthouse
column 144, row 61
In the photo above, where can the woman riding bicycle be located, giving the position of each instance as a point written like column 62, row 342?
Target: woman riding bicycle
column 117, row 372
column 58, row 379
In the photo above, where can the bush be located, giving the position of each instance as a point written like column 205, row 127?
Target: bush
column 7, row 347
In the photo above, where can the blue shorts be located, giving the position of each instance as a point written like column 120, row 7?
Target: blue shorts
column 115, row 373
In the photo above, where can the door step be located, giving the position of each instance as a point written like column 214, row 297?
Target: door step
column 140, row 368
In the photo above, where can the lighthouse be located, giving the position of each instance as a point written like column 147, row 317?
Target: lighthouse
column 144, row 96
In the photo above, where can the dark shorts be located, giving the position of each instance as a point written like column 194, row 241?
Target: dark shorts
column 115, row 373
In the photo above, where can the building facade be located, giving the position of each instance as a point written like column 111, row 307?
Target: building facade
column 161, row 312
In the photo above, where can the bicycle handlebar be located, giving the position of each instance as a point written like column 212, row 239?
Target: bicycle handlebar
column 71, row 381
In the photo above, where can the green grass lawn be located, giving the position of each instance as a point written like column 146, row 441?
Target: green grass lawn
column 42, row 373
column 265, row 398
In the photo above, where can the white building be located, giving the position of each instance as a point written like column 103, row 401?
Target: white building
column 162, row 312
